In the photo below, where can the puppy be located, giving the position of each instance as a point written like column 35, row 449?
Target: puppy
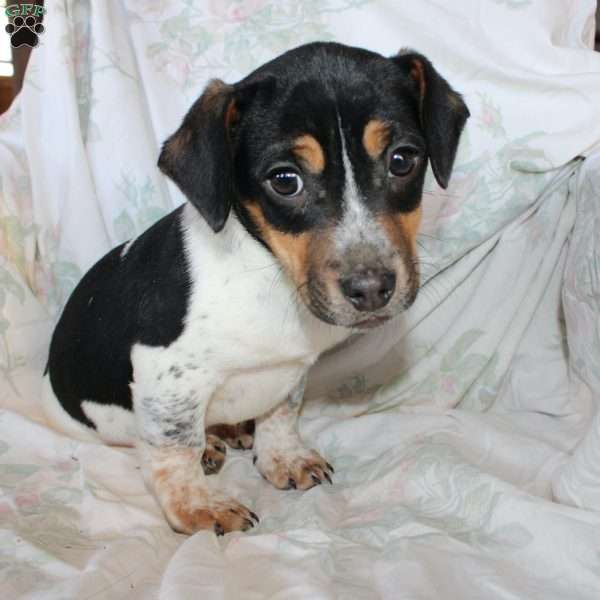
column 304, row 183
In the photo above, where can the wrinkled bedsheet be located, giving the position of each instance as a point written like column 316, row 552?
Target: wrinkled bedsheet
column 465, row 434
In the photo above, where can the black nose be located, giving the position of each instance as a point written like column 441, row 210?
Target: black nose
column 369, row 290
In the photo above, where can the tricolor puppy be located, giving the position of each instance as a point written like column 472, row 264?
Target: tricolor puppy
column 304, row 183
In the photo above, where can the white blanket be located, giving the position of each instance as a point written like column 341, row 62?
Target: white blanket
column 463, row 435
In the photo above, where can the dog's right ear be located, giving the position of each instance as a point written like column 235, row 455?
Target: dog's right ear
column 198, row 157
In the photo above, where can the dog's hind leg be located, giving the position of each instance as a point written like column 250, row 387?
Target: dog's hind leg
column 280, row 455
column 240, row 436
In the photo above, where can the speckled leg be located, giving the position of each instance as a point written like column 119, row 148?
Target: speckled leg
column 280, row 455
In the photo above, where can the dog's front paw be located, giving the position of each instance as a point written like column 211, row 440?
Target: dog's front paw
column 214, row 455
column 223, row 515
column 299, row 468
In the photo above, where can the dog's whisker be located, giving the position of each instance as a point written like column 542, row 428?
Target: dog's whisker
column 424, row 263
column 428, row 235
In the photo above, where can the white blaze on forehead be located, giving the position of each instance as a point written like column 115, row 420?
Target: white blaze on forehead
column 358, row 224
column 352, row 199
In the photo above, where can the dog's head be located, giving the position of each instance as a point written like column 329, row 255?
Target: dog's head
column 321, row 153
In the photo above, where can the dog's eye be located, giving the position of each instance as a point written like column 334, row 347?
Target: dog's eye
column 402, row 162
column 285, row 182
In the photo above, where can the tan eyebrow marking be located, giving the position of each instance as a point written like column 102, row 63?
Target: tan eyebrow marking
column 376, row 137
column 308, row 149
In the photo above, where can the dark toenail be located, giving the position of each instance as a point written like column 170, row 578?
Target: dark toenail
column 254, row 516
column 249, row 523
column 254, row 459
column 328, row 477
column 219, row 528
column 291, row 484
column 330, row 467
column 240, row 445
column 315, row 478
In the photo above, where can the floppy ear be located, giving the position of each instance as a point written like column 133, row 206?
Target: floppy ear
column 442, row 112
column 198, row 158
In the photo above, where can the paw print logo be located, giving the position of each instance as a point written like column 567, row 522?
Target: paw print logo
column 24, row 31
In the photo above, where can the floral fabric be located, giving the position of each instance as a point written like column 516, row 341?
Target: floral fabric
column 465, row 435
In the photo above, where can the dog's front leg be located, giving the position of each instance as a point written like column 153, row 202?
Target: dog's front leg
column 281, row 457
column 170, row 405
column 174, row 475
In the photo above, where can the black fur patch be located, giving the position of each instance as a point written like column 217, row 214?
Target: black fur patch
column 142, row 297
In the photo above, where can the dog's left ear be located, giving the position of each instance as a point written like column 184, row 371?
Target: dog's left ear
column 198, row 158
column 442, row 111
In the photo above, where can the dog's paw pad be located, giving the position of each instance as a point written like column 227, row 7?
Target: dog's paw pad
column 301, row 470
column 214, row 455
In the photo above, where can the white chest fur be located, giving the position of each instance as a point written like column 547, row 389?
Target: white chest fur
column 247, row 338
column 241, row 295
